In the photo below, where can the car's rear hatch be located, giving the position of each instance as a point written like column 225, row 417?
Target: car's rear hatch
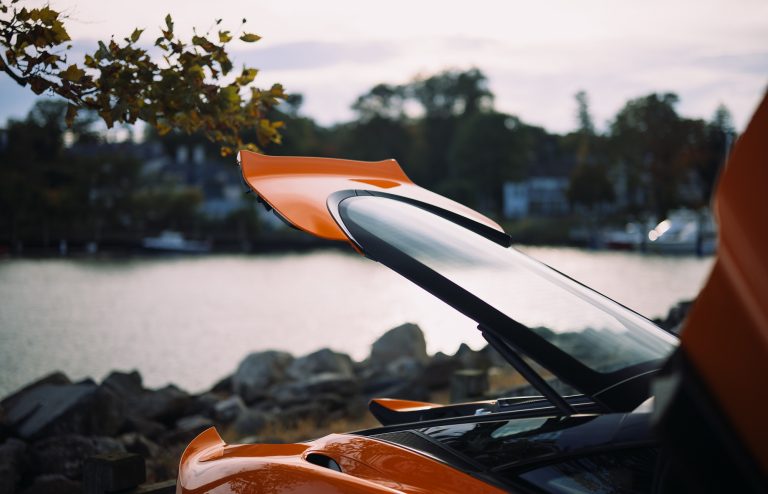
column 522, row 307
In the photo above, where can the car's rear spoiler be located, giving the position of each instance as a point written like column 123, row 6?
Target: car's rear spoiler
column 298, row 188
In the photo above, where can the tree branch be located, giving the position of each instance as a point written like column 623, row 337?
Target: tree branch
column 19, row 80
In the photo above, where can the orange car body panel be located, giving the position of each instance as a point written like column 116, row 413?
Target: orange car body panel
column 412, row 406
column 405, row 405
column 298, row 188
column 208, row 465
column 726, row 334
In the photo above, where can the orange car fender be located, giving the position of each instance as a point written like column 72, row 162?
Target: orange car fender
column 208, row 465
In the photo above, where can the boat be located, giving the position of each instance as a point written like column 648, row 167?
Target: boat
column 685, row 231
column 173, row 241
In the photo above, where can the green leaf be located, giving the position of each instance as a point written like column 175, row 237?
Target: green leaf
column 247, row 76
column 136, row 35
column 250, row 38
column 169, row 22
column 47, row 15
column 224, row 37
column 73, row 73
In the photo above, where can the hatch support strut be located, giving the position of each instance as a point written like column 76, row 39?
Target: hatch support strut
column 526, row 371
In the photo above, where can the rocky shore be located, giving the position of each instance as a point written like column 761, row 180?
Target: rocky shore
column 50, row 427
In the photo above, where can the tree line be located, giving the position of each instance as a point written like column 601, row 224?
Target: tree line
column 63, row 182
column 447, row 134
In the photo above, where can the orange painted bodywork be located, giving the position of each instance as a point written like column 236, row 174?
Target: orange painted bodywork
column 208, row 465
column 413, row 406
column 298, row 188
column 405, row 405
column 726, row 334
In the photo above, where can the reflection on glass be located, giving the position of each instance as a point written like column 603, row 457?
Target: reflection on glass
column 596, row 331
column 624, row 472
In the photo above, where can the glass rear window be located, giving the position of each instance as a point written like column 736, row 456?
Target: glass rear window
column 596, row 331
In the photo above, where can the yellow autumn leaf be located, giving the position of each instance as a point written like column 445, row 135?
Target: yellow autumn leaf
column 249, row 37
column 73, row 73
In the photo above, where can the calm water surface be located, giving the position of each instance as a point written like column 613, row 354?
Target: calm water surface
column 191, row 320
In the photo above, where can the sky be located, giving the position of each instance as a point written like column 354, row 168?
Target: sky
column 536, row 54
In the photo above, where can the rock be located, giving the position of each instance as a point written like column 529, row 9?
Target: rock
column 224, row 385
column 52, row 409
column 54, row 379
column 330, row 382
column 297, row 393
column 260, row 440
column 470, row 359
column 405, row 367
column 495, row 358
column 195, row 422
column 406, row 340
column 165, row 405
column 133, row 442
column 402, row 389
column 66, row 454
column 187, row 429
column 124, row 384
column 228, row 410
column 356, row 407
column 53, row 483
column 468, row 384
column 250, row 422
column 437, row 374
column 145, row 427
column 310, row 411
column 321, row 361
column 12, row 464
column 258, row 372
column 202, row 404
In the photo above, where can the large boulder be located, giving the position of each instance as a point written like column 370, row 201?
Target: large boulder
column 56, row 379
column 145, row 427
column 406, row 340
column 250, row 422
column 471, row 359
column 405, row 368
column 12, row 464
column 51, row 409
column 296, row 393
column 65, row 455
column 133, row 442
column 437, row 374
column 258, row 372
column 165, row 405
column 321, row 361
column 124, row 384
column 187, row 429
column 229, row 409
column 495, row 358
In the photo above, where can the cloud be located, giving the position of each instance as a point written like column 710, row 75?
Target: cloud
column 308, row 55
column 751, row 63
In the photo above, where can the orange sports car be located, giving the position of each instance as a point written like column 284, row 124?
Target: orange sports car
column 644, row 411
